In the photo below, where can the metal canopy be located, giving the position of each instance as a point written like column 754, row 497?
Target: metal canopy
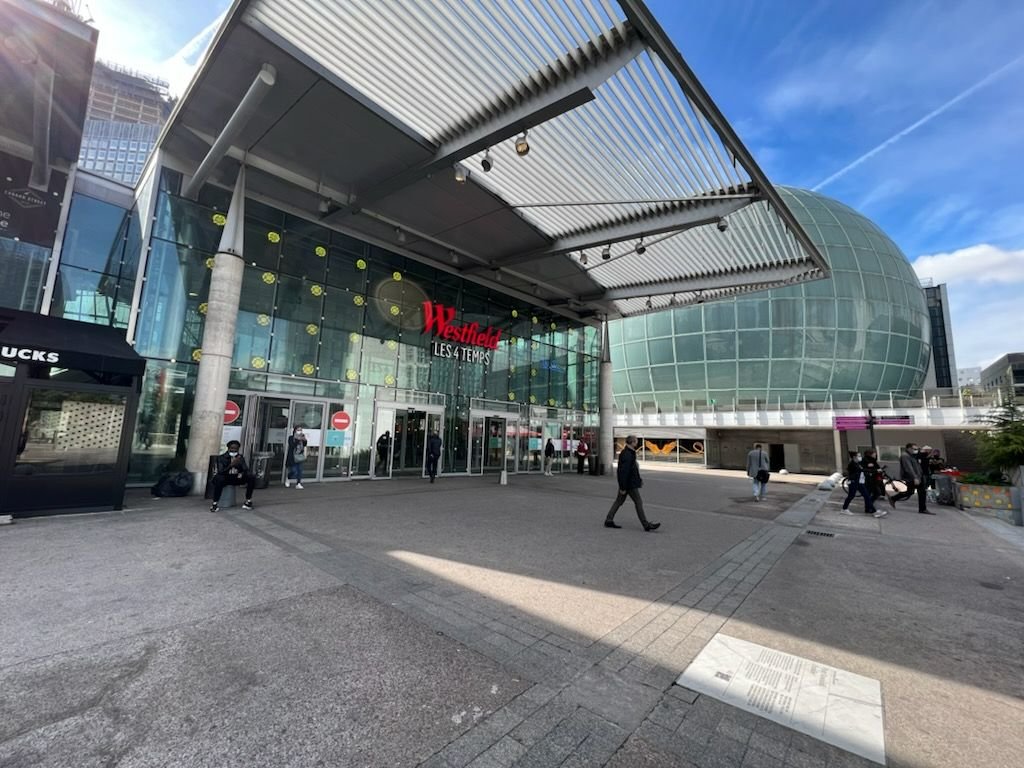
column 377, row 102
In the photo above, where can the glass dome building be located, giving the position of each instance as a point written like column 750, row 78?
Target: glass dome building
column 864, row 332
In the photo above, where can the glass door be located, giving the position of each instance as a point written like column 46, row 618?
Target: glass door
column 309, row 416
column 496, row 436
column 338, row 442
column 383, row 453
column 512, row 446
column 269, row 433
column 477, row 444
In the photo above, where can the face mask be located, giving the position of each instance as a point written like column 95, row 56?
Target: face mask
column 858, row 457
column 299, row 433
column 232, row 454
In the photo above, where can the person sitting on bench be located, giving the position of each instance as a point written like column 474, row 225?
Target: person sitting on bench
column 232, row 470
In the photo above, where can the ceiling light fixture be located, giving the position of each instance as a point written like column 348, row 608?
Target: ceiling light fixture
column 461, row 173
column 650, row 304
column 522, row 145
column 453, row 256
column 487, row 163
column 324, row 206
column 641, row 249
column 606, row 252
column 400, row 235
column 583, row 258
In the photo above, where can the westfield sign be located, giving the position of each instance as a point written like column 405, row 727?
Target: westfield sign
column 437, row 320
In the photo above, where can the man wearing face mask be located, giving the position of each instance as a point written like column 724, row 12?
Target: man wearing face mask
column 913, row 476
column 858, row 484
column 232, row 470
column 295, row 457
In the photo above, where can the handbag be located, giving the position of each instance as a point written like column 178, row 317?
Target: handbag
column 761, row 476
column 299, row 454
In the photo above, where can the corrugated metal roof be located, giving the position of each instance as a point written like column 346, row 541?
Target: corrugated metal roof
column 635, row 148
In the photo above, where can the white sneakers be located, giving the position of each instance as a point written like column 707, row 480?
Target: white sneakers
column 298, row 486
column 881, row 513
column 288, row 484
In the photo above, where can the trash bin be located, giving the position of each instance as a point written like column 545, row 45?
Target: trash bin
column 592, row 464
column 261, row 467
column 944, row 491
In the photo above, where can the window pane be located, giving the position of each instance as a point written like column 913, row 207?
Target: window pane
column 22, row 274
column 689, row 348
column 661, row 351
column 92, row 297
column 95, row 235
column 721, row 346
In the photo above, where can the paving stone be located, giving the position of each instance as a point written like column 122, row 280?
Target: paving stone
column 640, row 752
column 670, row 712
column 685, row 694
column 757, row 759
column 666, row 740
column 797, row 759
column 810, row 745
column 774, row 730
column 543, row 721
column 732, row 729
column 613, row 697
column 721, row 744
column 768, row 745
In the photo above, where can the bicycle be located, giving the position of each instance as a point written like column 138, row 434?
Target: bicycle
column 890, row 486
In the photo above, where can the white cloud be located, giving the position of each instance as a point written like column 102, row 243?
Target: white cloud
column 981, row 263
column 982, row 337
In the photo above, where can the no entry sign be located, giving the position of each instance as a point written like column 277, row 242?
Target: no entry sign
column 340, row 420
column 231, row 411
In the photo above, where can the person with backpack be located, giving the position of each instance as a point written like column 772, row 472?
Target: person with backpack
column 757, row 470
column 295, row 457
column 232, row 470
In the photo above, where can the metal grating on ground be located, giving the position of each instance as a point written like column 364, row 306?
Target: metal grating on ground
column 820, row 533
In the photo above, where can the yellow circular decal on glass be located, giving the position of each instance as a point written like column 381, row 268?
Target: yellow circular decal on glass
column 533, row 398
column 263, row 319
column 351, row 375
column 535, row 320
column 511, row 395
column 210, row 262
column 533, row 372
column 360, row 263
column 515, row 313
column 203, row 307
column 553, row 326
column 358, row 300
column 353, row 337
column 197, row 355
column 535, row 345
column 320, row 251
column 396, row 276
column 586, row 408
column 392, row 344
column 316, row 290
column 219, row 219
column 273, row 237
column 269, row 278
column 258, row 363
column 389, row 380
column 308, row 369
column 395, row 310
column 312, row 329
column 551, row 401
column 511, row 369
column 513, row 340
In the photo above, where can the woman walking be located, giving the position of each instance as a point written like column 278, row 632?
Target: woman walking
column 295, row 457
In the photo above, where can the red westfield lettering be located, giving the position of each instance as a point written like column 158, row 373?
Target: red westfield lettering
column 437, row 320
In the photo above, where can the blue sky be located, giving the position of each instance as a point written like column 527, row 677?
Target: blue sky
column 909, row 111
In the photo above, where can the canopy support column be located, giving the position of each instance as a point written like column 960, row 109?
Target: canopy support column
column 218, row 342
column 606, row 403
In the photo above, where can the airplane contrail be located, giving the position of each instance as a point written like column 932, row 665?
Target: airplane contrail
column 911, row 128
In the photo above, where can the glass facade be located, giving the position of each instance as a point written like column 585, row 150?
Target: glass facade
column 323, row 315
column 862, row 333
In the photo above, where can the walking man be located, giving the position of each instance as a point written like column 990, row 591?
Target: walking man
column 858, row 484
column 232, row 470
column 582, row 451
column 383, row 452
column 912, row 474
column 757, row 470
column 433, row 454
column 629, row 485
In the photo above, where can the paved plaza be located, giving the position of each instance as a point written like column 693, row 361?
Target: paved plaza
column 398, row 623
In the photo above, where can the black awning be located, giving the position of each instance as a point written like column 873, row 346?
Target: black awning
column 26, row 337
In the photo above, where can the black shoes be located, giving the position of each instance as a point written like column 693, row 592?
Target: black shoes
column 611, row 524
column 215, row 507
column 925, row 512
column 248, row 503
column 891, row 501
column 652, row 526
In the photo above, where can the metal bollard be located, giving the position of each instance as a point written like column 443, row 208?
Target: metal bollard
column 504, row 477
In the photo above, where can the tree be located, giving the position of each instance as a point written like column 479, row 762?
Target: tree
column 1001, row 446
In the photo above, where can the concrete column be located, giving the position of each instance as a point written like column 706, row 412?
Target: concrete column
column 606, row 404
column 218, row 343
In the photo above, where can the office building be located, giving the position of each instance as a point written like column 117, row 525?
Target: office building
column 969, row 377
column 1005, row 373
column 942, row 370
column 127, row 109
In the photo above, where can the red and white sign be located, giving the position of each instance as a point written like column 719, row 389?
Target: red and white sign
column 340, row 420
column 231, row 411
column 437, row 320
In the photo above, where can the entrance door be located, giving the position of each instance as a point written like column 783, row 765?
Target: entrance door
column 410, row 443
column 383, row 453
column 495, row 436
column 269, row 433
column 310, row 416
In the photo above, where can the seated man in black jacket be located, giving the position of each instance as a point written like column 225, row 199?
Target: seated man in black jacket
column 232, row 470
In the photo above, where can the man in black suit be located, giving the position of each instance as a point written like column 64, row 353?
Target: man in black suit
column 629, row 485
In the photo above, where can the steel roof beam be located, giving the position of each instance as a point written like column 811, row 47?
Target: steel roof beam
column 694, row 214
column 483, row 131
column 647, row 26
column 758, row 276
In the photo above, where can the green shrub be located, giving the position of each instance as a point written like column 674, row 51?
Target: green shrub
column 994, row 477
